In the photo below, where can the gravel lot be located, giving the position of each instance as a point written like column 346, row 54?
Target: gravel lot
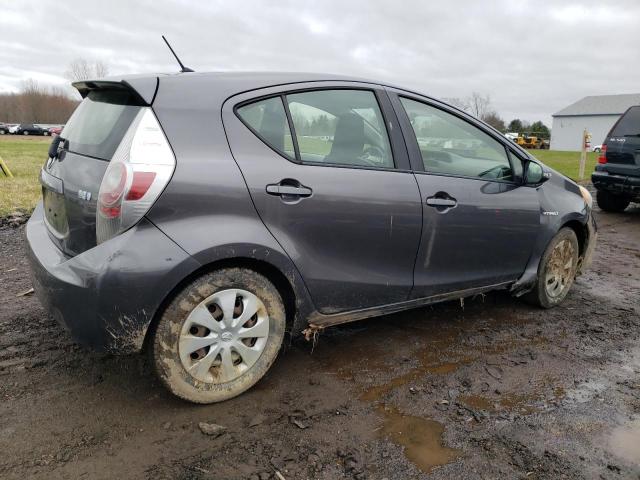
column 492, row 388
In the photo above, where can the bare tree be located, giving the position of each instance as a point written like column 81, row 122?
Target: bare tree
column 493, row 119
column 479, row 105
column 458, row 102
column 476, row 104
column 83, row 69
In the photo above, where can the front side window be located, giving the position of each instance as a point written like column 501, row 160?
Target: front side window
column 268, row 119
column 452, row 146
column 340, row 127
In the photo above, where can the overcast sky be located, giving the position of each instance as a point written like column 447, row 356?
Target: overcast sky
column 532, row 57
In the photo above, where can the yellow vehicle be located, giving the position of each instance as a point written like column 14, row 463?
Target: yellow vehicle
column 532, row 141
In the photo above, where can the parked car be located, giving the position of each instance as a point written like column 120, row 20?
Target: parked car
column 30, row 129
column 56, row 130
column 13, row 128
column 617, row 175
column 205, row 221
column 4, row 128
column 596, row 148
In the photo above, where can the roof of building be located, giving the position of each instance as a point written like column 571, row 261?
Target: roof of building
column 600, row 105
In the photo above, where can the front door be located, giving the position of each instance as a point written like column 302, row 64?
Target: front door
column 480, row 222
column 333, row 187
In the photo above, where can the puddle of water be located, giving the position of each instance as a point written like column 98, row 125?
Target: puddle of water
column 625, row 442
column 420, row 437
column 477, row 402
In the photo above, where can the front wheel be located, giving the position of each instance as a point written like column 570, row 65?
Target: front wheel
column 611, row 203
column 556, row 271
column 219, row 335
column 25, row 132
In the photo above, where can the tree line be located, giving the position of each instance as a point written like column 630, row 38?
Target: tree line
column 479, row 106
column 36, row 103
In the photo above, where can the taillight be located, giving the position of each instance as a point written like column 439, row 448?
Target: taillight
column 140, row 169
column 112, row 190
column 603, row 155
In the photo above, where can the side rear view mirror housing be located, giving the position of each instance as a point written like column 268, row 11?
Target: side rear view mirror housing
column 535, row 174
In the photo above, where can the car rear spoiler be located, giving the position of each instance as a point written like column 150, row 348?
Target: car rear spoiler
column 144, row 87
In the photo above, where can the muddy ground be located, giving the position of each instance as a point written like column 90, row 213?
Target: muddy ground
column 491, row 389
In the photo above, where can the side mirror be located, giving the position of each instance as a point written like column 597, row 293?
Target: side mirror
column 535, row 174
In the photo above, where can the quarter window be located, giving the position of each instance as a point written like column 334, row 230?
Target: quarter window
column 267, row 118
column 343, row 127
column 452, row 146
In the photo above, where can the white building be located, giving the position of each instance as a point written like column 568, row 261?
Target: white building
column 596, row 113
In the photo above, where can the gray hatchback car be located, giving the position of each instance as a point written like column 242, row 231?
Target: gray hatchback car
column 203, row 216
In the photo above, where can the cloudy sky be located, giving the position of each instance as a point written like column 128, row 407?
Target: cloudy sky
column 532, row 57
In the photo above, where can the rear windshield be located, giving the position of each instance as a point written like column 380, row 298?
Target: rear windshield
column 97, row 126
column 628, row 125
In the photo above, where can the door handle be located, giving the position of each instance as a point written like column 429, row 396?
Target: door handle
column 288, row 190
column 441, row 202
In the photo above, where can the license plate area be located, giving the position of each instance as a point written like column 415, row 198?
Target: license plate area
column 55, row 213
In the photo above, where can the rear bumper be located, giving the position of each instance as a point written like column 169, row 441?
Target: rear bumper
column 620, row 184
column 107, row 296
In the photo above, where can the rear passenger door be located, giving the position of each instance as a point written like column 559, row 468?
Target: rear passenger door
column 480, row 221
column 329, row 176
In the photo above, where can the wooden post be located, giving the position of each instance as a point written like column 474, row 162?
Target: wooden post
column 5, row 169
column 583, row 155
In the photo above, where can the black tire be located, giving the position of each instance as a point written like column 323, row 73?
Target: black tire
column 540, row 295
column 165, row 341
column 610, row 202
column 25, row 132
column 597, row 150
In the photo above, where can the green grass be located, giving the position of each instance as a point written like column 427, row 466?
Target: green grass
column 24, row 157
column 567, row 163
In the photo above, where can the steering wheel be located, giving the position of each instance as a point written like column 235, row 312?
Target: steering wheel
column 499, row 171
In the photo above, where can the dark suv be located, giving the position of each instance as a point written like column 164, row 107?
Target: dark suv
column 617, row 175
column 202, row 216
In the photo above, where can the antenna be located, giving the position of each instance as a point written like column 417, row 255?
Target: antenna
column 182, row 67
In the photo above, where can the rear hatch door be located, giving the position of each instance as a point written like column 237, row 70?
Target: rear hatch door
column 623, row 145
column 71, row 179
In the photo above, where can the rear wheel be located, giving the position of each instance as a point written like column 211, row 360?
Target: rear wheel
column 557, row 270
column 219, row 335
column 610, row 202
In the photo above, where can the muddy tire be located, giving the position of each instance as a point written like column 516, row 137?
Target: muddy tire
column 219, row 335
column 557, row 270
column 611, row 203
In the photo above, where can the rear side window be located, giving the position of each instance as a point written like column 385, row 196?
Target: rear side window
column 268, row 120
column 98, row 124
column 628, row 125
column 340, row 127
column 336, row 127
column 452, row 146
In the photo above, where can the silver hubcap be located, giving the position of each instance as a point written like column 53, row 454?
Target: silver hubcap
column 224, row 336
column 559, row 269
